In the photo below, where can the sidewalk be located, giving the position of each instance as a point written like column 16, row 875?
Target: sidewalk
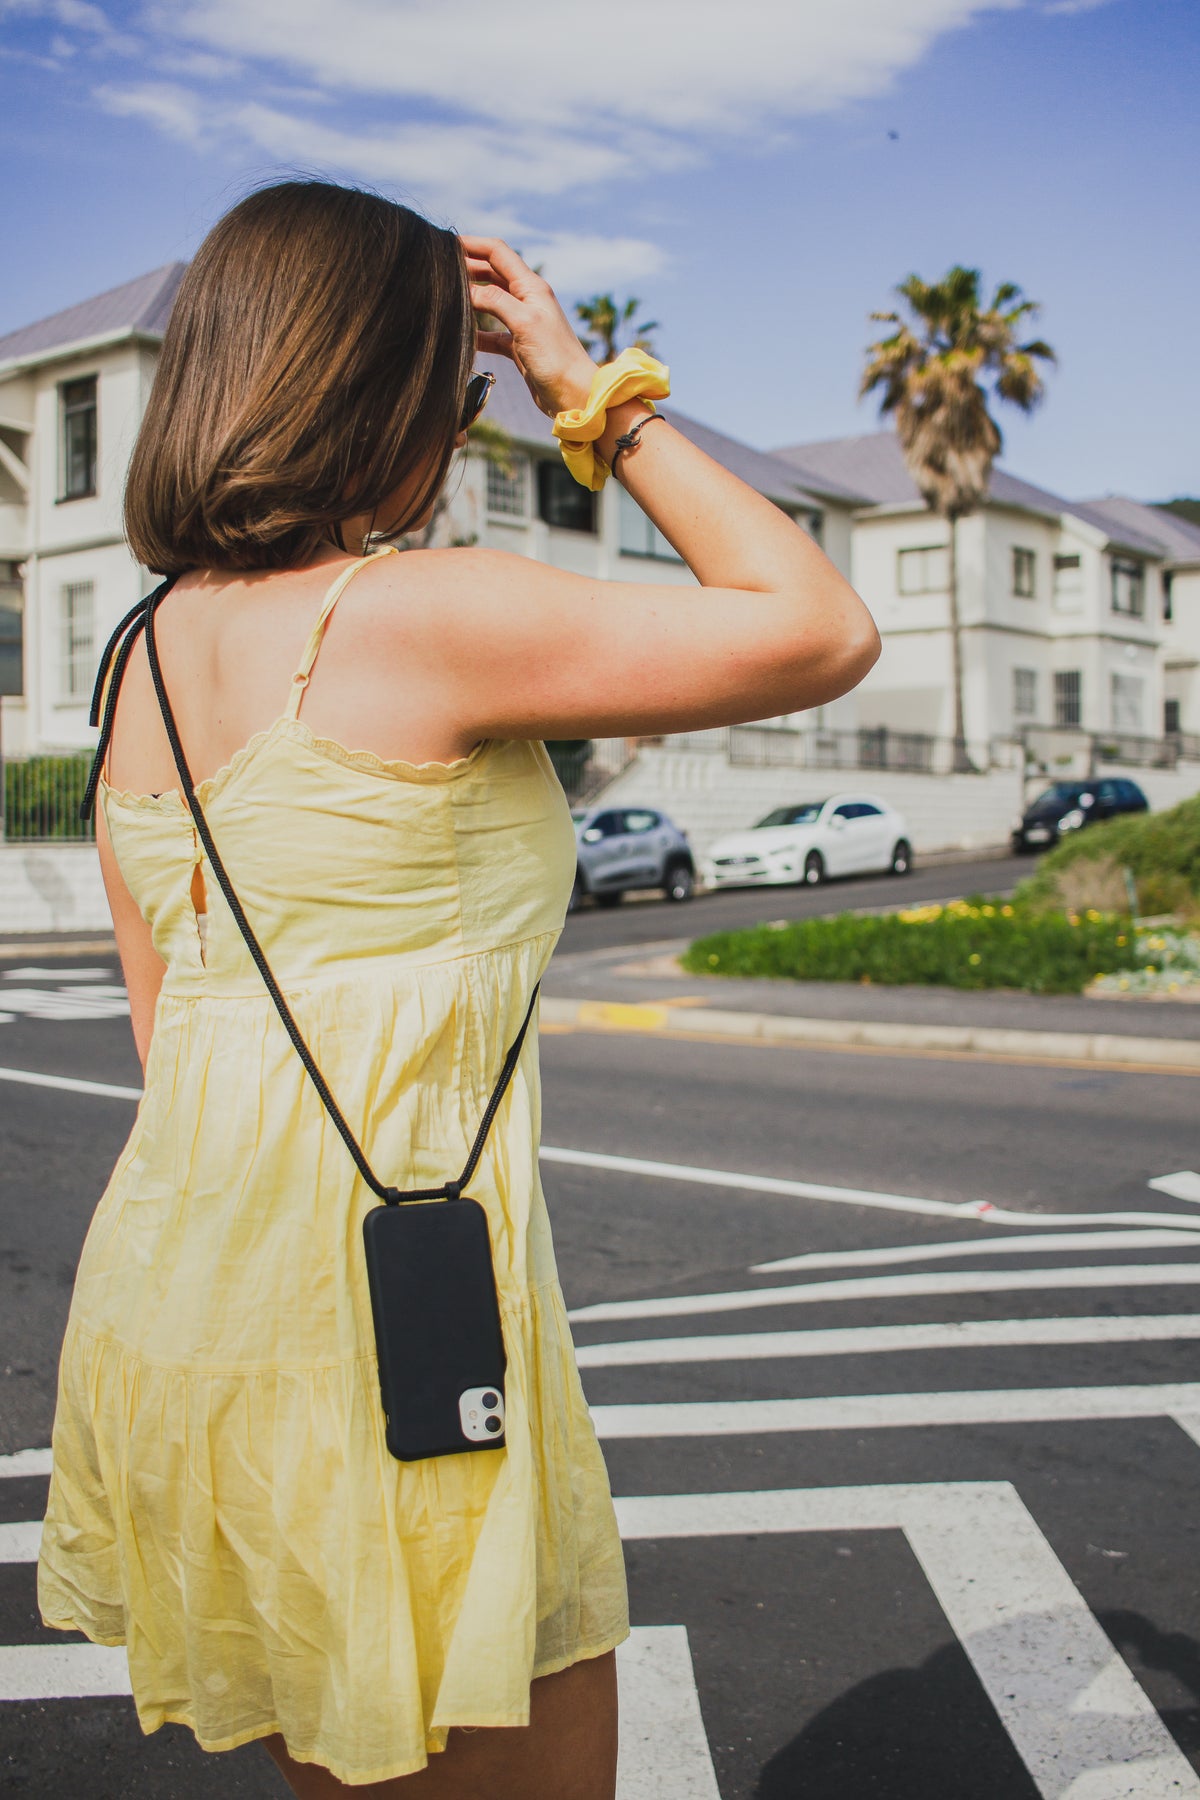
column 29, row 946
column 643, row 990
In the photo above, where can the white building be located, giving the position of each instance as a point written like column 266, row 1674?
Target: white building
column 1075, row 616
column 72, row 392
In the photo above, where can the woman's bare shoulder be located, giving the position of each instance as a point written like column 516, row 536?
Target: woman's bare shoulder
column 469, row 569
column 463, row 598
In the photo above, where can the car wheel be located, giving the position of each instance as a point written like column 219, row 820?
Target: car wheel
column 814, row 868
column 680, row 883
column 612, row 898
column 902, row 857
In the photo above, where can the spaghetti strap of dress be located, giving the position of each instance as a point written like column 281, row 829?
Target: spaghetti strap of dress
column 316, row 636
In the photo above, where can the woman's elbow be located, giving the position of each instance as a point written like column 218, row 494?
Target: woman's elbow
column 853, row 647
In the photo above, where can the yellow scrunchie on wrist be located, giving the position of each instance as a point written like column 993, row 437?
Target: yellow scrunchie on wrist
column 631, row 376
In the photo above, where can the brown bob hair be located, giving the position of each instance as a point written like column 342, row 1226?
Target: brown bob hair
column 317, row 359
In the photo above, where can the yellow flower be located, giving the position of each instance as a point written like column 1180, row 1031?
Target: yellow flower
column 714, row 959
column 1093, row 915
column 1121, row 941
column 1006, row 912
column 989, row 912
column 974, row 957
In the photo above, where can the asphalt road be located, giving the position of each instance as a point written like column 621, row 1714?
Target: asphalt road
column 645, row 919
column 914, row 1516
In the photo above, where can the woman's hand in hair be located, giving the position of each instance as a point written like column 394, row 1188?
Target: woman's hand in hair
column 536, row 333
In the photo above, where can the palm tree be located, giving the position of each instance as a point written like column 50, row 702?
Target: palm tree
column 607, row 322
column 932, row 371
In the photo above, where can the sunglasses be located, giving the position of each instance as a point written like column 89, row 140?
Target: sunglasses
column 478, row 389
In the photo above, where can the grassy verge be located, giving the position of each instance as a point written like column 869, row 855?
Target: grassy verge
column 974, row 944
column 1161, row 851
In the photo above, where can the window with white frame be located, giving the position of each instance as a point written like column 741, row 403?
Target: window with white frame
column 1024, row 573
column 1127, row 697
column 508, row 488
column 77, row 407
column 925, row 569
column 77, row 639
column 1168, row 609
column 639, row 536
column 1128, row 586
column 1068, row 697
column 1025, row 693
column 1068, row 583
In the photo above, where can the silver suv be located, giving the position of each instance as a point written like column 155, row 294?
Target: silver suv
column 624, row 847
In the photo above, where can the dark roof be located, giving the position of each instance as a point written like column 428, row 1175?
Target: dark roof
column 872, row 468
column 512, row 408
column 1138, row 525
column 143, row 306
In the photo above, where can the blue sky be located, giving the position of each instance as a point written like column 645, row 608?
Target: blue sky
column 733, row 164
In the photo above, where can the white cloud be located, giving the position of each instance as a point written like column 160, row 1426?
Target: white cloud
column 483, row 115
column 173, row 110
column 456, row 165
column 687, row 65
column 576, row 261
column 91, row 22
column 528, row 102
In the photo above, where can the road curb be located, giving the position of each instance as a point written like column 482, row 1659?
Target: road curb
column 773, row 1028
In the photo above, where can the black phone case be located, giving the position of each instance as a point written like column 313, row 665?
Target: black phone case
column 437, row 1322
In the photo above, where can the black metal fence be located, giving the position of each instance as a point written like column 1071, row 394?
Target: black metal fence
column 585, row 765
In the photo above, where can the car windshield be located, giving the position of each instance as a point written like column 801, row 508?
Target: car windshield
column 807, row 814
column 1063, row 793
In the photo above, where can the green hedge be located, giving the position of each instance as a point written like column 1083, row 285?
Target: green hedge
column 976, row 943
column 42, row 795
column 1161, row 849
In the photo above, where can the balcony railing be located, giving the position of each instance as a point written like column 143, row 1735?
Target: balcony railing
column 1053, row 747
column 869, row 747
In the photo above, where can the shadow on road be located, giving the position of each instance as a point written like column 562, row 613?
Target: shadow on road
column 916, row 1731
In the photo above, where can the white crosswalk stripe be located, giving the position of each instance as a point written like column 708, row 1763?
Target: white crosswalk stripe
column 1078, row 1718
column 875, row 1340
column 1080, row 1721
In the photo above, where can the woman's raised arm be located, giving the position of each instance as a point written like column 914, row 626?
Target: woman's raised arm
column 534, row 652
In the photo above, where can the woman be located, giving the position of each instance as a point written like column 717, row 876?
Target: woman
column 223, row 1501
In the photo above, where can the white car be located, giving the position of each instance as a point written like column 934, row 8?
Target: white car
column 846, row 835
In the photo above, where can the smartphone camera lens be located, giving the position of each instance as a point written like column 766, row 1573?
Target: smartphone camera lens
column 491, row 1400
column 493, row 1424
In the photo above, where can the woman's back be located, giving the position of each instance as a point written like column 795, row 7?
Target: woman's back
column 341, row 856
column 220, row 1343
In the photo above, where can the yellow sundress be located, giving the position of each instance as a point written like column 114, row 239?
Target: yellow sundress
column 223, row 1502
